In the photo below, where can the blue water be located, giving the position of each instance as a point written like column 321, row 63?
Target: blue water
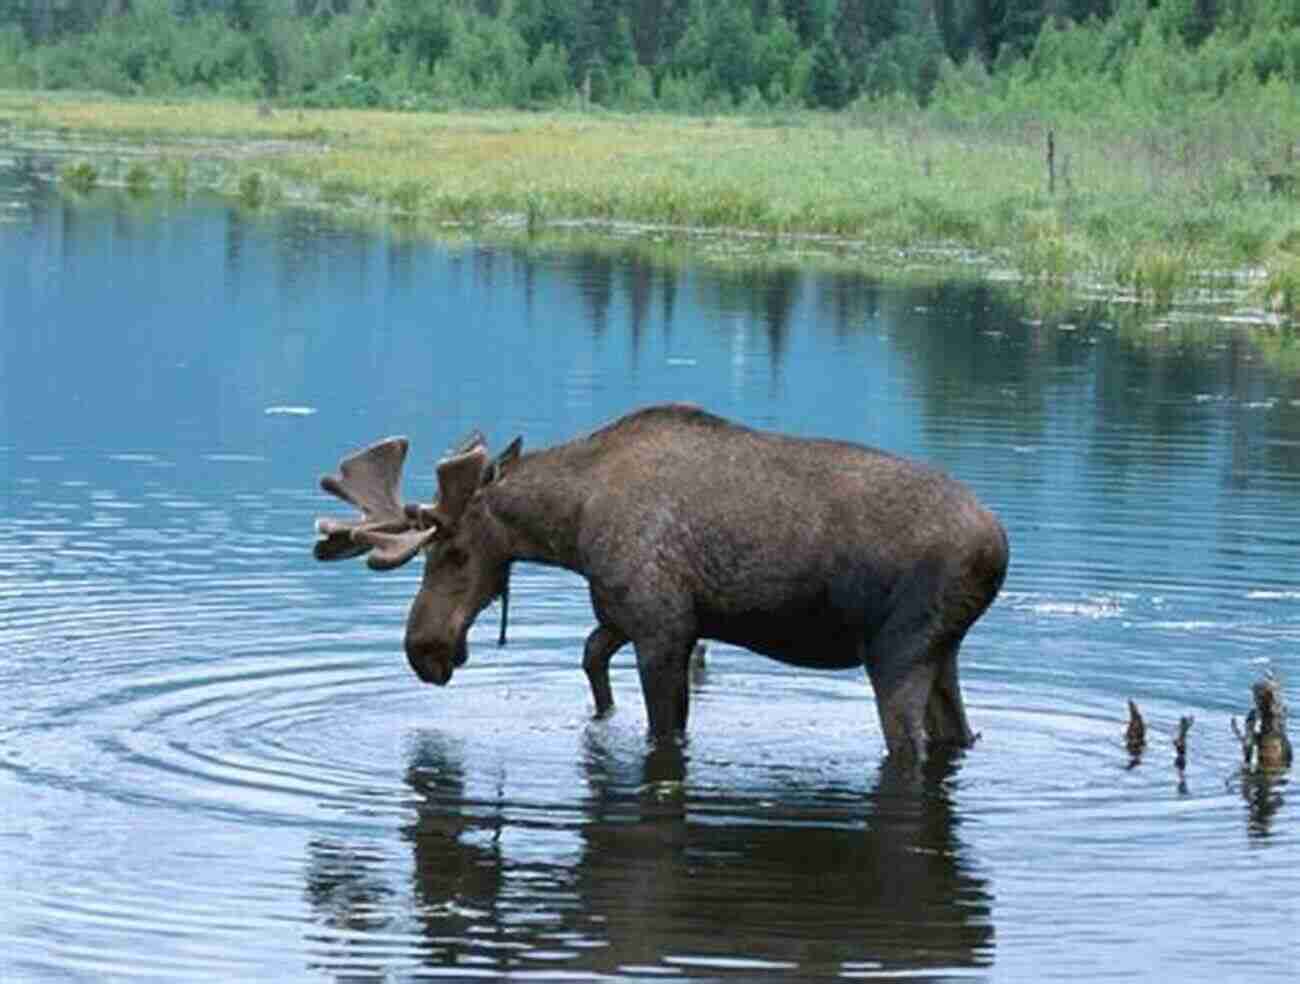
column 216, row 765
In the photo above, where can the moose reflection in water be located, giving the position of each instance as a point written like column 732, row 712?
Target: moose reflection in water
column 817, row 553
column 821, row 879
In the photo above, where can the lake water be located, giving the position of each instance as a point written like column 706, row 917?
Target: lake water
column 215, row 763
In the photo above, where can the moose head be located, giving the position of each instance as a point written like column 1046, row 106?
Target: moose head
column 467, row 556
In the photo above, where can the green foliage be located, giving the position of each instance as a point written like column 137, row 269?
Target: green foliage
column 80, row 176
column 602, row 44
column 177, row 172
column 776, row 55
column 348, row 92
column 719, row 49
column 1156, row 273
column 687, row 92
column 828, row 83
column 547, row 77
column 1131, row 61
column 1042, row 252
column 1282, row 286
column 421, row 29
column 546, row 22
column 252, row 189
column 487, row 65
column 535, row 210
column 139, row 180
column 337, row 191
column 14, row 72
column 909, row 61
column 407, row 197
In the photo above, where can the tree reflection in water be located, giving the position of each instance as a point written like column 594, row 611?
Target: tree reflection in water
column 645, row 873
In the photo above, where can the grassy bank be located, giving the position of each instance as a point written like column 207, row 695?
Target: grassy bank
column 1149, row 211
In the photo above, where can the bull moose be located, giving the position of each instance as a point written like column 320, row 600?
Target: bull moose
column 817, row 553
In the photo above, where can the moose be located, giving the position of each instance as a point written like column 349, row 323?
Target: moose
column 818, row 553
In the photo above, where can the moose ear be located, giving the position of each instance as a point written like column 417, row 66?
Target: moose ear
column 504, row 461
column 459, row 477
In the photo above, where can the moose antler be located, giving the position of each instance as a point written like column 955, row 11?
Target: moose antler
column 393, row 532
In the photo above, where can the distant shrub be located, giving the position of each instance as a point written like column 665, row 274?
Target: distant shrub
column 252, row 190
column 177, row 172
column 80, row 176
column 337, row 191
column 348, row 92
column 406, row 197
column 139, row 180
column 547, row 76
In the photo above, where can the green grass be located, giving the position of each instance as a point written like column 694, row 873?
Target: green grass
column 1143, row 209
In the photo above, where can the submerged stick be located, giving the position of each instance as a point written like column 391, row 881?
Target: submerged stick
column 1180, row 742
column 1135, row 735
column 1264, row 741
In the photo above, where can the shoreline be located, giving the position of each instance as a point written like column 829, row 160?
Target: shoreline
column 879, row 194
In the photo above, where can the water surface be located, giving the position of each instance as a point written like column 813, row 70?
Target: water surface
column 215, row 764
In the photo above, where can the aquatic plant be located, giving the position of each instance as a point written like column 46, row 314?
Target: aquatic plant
column 139, row 180
column 252, row 191
column 337, row 191
column 1041, row 252
column 1279, row 348
column 256, row 189
column 177, row 172
column 535, row 210
column 80, row 176
column 405, row 199
column 1282, row 286
column 1145, row 207
column 1158, row 272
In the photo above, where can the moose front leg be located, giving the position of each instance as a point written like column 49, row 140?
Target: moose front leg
column 603, row 642
column 663, row 664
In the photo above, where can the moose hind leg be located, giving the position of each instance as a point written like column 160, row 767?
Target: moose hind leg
column 945, row 712
column 602, row 643
column 912, row 663
column 903, row 681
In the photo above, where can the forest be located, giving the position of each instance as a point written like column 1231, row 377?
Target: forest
column 1173, row 56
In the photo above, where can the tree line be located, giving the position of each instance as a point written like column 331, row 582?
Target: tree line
column 629, row 54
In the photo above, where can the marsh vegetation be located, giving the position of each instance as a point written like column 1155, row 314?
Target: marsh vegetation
column 1153, row 150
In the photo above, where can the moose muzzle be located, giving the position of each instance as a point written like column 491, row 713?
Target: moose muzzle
column 433, row 662
column 434, row 655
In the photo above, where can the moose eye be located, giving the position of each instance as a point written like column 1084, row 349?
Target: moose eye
column 455, row 556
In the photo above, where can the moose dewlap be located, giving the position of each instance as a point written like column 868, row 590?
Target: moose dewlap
column 819, row 553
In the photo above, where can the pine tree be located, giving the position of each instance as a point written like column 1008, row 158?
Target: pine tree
column 828, row 83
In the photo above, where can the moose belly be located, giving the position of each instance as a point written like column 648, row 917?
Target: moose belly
column 817, row 640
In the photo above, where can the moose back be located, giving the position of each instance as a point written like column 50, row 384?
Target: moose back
column 818, row 553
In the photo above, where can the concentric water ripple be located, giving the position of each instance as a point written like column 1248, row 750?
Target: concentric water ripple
column 215, row 764
column 226, row 768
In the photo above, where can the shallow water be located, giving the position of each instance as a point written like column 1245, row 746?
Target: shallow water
column 215, row 764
